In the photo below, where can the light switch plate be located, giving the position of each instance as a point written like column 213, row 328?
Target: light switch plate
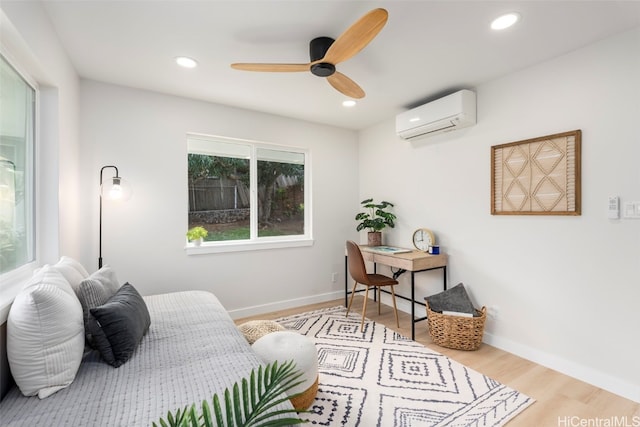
column 613, row 207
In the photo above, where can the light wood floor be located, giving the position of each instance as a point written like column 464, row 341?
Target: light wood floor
column 560, row 400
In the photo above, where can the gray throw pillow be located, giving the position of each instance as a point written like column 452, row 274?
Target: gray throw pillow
column 122, row 322
column 91, row 293
column 454, row 299
column 107, row 276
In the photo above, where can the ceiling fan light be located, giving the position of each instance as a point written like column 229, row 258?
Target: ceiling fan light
column 505, row 21
column 349, row 103
column 186, row 62
column 323, row 69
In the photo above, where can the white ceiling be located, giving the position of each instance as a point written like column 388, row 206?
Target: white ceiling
column 427, row 48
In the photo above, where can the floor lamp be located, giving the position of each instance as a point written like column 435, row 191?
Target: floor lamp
column 114, row 188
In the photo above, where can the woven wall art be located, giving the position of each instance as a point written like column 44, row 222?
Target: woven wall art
column 539, row 176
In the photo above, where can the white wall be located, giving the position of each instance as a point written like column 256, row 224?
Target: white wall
column 144, row 135
column 58, row 166
column 567, row 287
column 28, row 38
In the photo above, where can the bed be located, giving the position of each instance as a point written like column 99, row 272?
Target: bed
column 191, row 350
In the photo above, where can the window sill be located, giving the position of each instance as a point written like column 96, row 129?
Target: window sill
column 236, row 246
column 12, row 284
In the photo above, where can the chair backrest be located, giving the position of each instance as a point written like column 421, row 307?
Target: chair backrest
column 357, row 268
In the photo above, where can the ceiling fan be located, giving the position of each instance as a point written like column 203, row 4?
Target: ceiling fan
column 326, row 53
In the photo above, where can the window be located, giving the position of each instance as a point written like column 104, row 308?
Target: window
column 247, row 194
column 17, row 171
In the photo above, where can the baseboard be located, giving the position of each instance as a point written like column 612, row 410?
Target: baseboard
column 568, row 367
column 283, row 305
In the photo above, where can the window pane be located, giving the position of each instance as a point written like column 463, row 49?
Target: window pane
column 219, row 197
column 240, row 190
column 280, row 193
column 17, row 130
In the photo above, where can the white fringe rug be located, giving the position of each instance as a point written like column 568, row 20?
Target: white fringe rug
column 381, row 378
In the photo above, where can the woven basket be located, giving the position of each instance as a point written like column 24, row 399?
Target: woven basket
column 457, row 332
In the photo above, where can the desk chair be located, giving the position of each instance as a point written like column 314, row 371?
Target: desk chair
column 358, row 272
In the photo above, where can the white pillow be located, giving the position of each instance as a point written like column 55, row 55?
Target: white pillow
column 45, row 335
column 46, row 272
column 71, row 269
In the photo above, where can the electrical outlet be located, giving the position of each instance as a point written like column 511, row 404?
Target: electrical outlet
column 334, row 277
column 631, row 210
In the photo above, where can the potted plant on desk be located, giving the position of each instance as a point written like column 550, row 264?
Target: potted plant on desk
column 375, row 219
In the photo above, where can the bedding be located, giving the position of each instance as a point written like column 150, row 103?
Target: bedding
column 191, row 350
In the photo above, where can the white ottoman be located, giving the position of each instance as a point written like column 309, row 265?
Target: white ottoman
column 288, row 345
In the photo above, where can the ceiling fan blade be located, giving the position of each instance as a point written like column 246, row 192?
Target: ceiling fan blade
column 357, row 36
column 345, row 85
column 291, row 68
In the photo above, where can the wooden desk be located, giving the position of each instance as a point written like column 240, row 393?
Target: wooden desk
column 414, row 261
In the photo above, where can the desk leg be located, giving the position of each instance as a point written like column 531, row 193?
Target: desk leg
column 413, row 306
column 375, row 270
column 346, row 278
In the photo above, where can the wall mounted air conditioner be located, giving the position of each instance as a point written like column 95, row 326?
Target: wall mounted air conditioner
column 451, row 112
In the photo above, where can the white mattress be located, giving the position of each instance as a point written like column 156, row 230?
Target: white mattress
column 191, row 351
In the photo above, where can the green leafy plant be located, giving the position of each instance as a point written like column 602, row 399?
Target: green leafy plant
column 196, row 233
column 375, row 218
column 247, row 404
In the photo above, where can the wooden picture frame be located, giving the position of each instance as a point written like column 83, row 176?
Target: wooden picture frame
column 539, row 176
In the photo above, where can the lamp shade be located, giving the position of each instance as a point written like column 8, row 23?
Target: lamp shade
column 116, row 189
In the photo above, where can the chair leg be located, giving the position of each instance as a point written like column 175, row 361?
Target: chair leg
column 353, row 292
column 379, row 298
column 364, row 309
column 393, row 294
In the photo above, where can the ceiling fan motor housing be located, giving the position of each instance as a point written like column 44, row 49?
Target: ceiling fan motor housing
column 318, row 48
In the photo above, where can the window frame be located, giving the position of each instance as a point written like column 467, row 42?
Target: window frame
column 255, row 242
column 12, row 281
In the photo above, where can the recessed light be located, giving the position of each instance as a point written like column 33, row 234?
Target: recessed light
column 505, row 21
column 349, row 103
column 186, row 62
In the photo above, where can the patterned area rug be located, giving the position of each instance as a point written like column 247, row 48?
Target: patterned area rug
column 381, row 378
